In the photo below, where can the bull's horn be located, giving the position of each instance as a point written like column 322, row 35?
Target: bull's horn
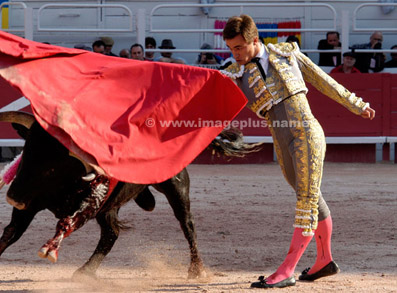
column 23, row 118
column 91, row 169
column 89, row 177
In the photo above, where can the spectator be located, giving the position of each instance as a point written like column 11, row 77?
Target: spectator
column 125, row 53
column 98, row 47
column 349, row 59
column 150, row 43
column 292, row 39
column 227, row 62
column 109, row 42
column 331, row 43
column 167, row 56
column 137, row 52
column 82, row 47
column 393, row 61
column 208, row 58
column 370, row 61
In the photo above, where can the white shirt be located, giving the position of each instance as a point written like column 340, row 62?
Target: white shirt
column 264, row 58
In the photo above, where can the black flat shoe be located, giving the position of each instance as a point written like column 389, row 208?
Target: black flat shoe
column 330, row 269
column 284, row 283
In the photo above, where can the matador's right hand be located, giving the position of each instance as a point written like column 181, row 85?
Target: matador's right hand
column 368, row 113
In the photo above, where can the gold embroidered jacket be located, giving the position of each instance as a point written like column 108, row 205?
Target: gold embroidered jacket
column 288, row 70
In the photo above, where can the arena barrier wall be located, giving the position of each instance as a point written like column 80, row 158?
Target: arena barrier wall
column 10, row 100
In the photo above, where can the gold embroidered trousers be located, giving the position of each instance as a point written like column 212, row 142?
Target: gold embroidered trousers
column 299, row 143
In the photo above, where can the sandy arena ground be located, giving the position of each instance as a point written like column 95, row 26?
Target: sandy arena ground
column 243, row 216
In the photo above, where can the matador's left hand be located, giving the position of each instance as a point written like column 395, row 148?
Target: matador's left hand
column 368, row 113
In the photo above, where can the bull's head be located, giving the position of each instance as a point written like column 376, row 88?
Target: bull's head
column 46, row 167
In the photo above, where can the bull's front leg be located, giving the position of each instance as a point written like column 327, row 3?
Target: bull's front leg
column 20, row 221
column 110, row 229
column 101, row 187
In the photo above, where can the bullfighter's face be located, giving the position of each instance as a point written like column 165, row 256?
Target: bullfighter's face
column 243, row 51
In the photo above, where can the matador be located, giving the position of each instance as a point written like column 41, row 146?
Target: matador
column 273, row 79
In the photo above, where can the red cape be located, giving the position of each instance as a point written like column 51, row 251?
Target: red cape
column 111, row 111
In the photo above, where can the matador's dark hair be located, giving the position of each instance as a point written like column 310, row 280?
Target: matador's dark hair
column 242, row 25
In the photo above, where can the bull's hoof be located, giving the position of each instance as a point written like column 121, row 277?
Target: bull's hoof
column 196, row 272
column 43, row 252
column 83, row 274
column 52, row 255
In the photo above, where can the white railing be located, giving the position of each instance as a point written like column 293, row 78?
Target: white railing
column 99, row 16
column 28, row 19
column 242, row 6
column 371, row 29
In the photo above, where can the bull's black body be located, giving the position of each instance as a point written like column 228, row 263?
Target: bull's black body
column 49, row 178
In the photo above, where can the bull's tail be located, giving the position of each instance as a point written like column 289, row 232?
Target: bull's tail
column 114, row 222
column 7, row 175
column 230, row 142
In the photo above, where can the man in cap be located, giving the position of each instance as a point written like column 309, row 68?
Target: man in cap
column 167, row 56
column 109, row 42
column 349, row 59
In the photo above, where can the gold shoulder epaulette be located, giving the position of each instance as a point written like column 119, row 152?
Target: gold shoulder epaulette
column 234, row 70
column 283, row 49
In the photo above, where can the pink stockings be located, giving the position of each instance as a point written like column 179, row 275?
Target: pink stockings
column 323, row 243
column 297, row 248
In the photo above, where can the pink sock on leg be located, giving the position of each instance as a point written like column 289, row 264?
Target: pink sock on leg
column 323, row 242
column 297, row 248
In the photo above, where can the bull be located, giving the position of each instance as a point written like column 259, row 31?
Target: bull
column 48, row 177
